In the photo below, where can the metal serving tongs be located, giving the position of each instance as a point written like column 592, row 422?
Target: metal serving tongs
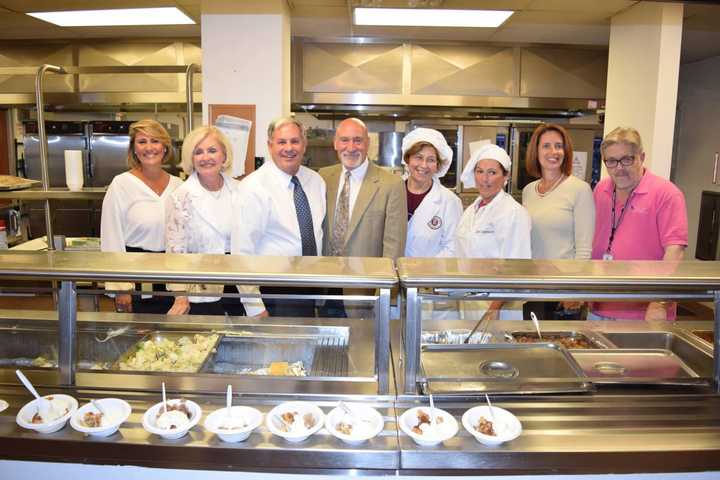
column 477, row 327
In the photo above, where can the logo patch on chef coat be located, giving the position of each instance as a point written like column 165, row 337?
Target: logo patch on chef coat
column 435, row 222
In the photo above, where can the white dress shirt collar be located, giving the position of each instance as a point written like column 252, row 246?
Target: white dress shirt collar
column 357, row 174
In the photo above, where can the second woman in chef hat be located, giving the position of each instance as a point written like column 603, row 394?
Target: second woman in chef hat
column 433, row 210
column 493, row 226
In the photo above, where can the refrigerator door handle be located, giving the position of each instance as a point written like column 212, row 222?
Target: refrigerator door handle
column 90, row 163
column 715, row 169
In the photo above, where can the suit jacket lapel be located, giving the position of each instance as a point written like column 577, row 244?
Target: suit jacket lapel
column 367, row 191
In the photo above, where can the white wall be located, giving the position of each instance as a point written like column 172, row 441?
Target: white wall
column 643, row 64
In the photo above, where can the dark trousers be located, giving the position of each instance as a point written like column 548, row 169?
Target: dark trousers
column 549, row 311
column 286, row 307
column 333, row 308
column 155, row 304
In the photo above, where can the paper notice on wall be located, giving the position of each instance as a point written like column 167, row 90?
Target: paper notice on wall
column 580, row 165
column 238, row 132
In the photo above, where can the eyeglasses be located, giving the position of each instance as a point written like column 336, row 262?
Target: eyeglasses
column 625, row 161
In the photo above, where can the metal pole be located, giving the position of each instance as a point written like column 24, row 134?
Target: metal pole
column 412, row 326
column 382, row 341
column 189, row 71
column 67, row 329
column 43, row 144
column 716, row 342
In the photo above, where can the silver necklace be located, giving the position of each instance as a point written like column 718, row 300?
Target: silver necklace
column 552, row 187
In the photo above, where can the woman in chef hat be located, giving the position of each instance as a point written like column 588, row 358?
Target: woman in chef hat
column 433, row 210
column 494, row 226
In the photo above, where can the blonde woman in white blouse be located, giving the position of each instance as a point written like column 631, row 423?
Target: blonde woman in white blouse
column 133, row 210
column 199, row 215
column 561, row 207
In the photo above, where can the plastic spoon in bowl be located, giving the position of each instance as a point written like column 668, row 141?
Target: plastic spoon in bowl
column 433, row 420
column 164, row 398
column 97, row 407
column 43, row 404
column 534, row 319
column 490, row 409
column 228, row 401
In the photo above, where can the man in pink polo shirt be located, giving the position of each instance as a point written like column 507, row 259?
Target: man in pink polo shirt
column 638, row 216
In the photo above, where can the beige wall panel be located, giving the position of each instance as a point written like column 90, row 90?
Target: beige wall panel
column 119, row 53
column 460, row 70
column 563, row 73
column 338, row 68
column 35, row 56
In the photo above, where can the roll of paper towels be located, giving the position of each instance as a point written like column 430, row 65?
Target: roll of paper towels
column 74, row 170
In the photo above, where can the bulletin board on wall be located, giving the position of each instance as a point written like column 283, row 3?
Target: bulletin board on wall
column 241, row 111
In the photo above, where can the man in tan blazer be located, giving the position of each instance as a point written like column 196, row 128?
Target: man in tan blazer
column 377, row 220
column 366, row 208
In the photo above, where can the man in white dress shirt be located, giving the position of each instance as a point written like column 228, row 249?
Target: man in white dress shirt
column 280, row 211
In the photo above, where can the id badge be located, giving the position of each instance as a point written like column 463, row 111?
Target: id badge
column 607, row 256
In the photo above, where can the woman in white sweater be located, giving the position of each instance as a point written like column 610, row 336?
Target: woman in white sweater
column 561, row 207
column 133, row 210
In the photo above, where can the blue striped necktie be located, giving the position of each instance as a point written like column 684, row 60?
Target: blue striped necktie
column 304, row 216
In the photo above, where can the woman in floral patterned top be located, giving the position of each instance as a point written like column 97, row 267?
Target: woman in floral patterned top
column 199, row 217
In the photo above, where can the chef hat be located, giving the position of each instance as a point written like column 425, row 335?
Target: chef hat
column 486, row 152
column 434, row 138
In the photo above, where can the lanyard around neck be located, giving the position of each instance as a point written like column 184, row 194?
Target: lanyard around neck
column 614, row 226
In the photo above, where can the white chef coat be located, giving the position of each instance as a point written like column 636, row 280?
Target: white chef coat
column 133, row 215
column 199, row 221
column 431, row 229
column 500, row 229
column 265, row 221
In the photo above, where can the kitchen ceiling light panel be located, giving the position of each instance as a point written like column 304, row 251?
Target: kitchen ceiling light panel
column 115, row 17
column 428, row 17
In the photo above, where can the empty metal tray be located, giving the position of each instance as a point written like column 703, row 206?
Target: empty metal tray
column 501, row 368
column 632, row 365
column 323, row 354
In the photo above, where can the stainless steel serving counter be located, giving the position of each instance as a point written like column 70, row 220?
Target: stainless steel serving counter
column 37, row 194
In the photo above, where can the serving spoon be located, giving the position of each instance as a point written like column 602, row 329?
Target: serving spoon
column 164, row 398
column 534, row 319
column 43, row 404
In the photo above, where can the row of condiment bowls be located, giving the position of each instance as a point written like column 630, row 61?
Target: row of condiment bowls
column 294, row 421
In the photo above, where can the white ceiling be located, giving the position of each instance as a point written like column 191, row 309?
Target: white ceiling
column 584, row 22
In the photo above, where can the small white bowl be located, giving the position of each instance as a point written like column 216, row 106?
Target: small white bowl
column 3, row 405
column 446, row 430
column 369, row 423
column 251, row 417
column 149, row 422
column 26, row 413
column 506, row 425
column 116, row 412
column 302, row 408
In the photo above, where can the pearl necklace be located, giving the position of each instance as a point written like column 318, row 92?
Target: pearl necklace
column 552, row 187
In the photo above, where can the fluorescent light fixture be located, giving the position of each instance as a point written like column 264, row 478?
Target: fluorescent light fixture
column 116, row 17
column 428, row 17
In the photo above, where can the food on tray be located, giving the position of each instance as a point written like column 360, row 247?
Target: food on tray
column 355, row 427
column 93, row 419
column 9, row 182
column 43, row 362
column 344, row 428
column 185, row 354
column 485, row 427
column 424, row 423
column 177, row 416
column 286, row 369
column 291, row 422
column 705, row 335
column 50, row 411
column 566, row 341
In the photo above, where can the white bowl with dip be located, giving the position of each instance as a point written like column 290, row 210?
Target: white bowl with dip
column 63, row 407
column 296, row 431
column 115, row 412
column 235, row 427
column 445, row 428
column 151, row 418
column 506, row 425
column 364, row 423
